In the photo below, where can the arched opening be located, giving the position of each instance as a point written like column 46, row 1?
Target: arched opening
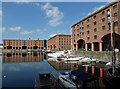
column 9, row 54
column 96, row 46
column 35, row 47
column 107, row 42
column 9, row 47
column 24, row 47
column 81, row 44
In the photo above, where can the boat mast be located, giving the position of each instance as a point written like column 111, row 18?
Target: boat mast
column 112, row 42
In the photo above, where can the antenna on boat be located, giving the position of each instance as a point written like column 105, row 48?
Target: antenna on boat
column 113, row 42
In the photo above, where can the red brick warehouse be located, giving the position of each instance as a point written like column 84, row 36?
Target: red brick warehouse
column 59, row 42
column 24, row 44
column 93, row 33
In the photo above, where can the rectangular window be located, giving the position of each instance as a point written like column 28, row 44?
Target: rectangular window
column 95, row 37
column 95, row 30
column 95, row 23
column 77, row 30
column 88, row 38
column 115, row 23
column 88, row 32
column 87, row 26
column 103, row 27
column 77, row 35
column 82, row 28
column 114, row 7
column 103, row 19
column 95, row 17
column 88, row 21
column 82, row 33
column 108, row 11
column 109, row 25
column 77, row 25
column 115, row 14
column 103, row 12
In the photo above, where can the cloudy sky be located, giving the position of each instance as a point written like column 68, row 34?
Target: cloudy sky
column 43, row 20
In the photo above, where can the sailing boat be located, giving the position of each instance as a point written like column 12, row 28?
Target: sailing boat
column 112, row 73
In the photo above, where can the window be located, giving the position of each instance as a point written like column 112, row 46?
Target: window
column 88, row 32
column 103, row 27
column 114, row 7
column 115, row 23
column 109, row 25
column 77, row 30
column 108, row 11
column 103, row 12
column 115, row 14
column 95, row 17
column 87, row 20
column 82, row 33
column 109, row 18
column 77, row 35
column 77, row 25
column 103, row 20
column 87, row 26
column 82, row 23
column 82, row 28
column 74, row 40
column 95, row 30
column 95, row 23
column 95, row 37
column 88, row 38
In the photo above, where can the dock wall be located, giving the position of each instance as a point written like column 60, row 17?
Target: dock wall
column 105, row 55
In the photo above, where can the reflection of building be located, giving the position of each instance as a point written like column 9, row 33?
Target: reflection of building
column 61, row 65
column 23, row 57
column 24, row 44
column 93, row 32
column 59, row 42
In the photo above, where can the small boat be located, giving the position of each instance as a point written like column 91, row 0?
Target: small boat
column 112, row 80
column 57, row 54
column 46, row 81
column 69, row 59
column 78, row 79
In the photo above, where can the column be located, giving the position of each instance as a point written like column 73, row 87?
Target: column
column 77, row 47
column 53, row 47
column 86, row 47
column 92, row 46
column 100, row 46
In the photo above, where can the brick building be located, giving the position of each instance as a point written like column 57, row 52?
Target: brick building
column 59, row 42
column 24, row 44
column 94, row 32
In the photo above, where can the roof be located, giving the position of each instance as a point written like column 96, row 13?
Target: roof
column 59, row 35
column 96, row 12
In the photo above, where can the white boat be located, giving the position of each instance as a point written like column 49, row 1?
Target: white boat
column 88, row 59
column 69, row 59
column 66, row 81
column 57, row 54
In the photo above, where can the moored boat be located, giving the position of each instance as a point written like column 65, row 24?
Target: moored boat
column 78, row 79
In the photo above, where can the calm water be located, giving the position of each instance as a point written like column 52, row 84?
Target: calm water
column 22, row 69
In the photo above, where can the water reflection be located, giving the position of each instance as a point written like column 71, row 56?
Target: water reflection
column 21, row 69
column 23, row 57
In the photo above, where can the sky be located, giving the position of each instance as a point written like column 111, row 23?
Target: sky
column 23, row 20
